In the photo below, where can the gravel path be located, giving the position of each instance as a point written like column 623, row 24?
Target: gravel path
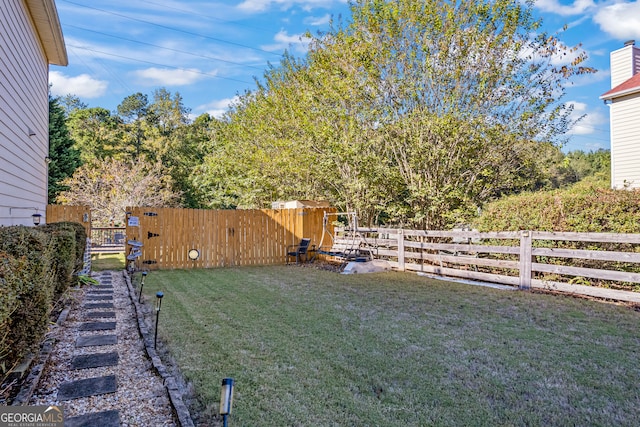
column 141, row 398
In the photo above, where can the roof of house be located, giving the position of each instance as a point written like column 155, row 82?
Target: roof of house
column 45, row 18
column 625, row 88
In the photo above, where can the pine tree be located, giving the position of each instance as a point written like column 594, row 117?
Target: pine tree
column 64, row 159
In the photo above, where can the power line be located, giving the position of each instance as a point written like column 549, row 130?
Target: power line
column 156, row 64
column 163, row 47
column 172, row 28
column 202, row 15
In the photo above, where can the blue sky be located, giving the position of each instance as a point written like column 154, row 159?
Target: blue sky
column 210, row 51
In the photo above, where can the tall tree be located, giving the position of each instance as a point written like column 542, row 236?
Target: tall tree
column 133, row 110
column 98, row 134
column 64, row 159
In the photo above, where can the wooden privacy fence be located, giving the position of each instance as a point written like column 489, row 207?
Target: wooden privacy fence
column 220, row 237
column 79, row 214
column 522, row 258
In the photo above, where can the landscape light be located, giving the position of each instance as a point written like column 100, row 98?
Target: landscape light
column 159, row 296
column 144, row 275
column 36, row 219
column 226, row 399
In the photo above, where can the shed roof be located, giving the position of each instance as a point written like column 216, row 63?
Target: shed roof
column 45, row 18
column 627, row 87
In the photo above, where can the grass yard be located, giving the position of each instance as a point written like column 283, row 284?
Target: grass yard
column 107, row 261
column 308, row 347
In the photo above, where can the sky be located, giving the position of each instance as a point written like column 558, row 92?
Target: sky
column 211, row 51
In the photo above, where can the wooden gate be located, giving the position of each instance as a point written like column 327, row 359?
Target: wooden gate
column 218, row 237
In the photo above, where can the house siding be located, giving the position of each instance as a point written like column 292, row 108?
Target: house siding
column 24, row 106
column 625, row 137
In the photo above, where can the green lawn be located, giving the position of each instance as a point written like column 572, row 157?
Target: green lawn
column 101, row 262
column 314, row 348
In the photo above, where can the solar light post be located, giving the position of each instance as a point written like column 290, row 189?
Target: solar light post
column 159, row 296
column 144, row 275
column 226, row 399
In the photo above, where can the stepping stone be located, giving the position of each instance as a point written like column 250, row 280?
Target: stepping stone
column 99, row 305
column 95, row 360
column 89, row 387
column 98, row 297
column 104, row 419
column 96, row 340
column 103, row 287
column 98, row 314
column 100, row 292
column 97, row 326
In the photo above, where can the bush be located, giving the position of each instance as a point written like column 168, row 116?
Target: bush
column 67, row 241
column 31, row 285
column 36, row 267
column 585, row 207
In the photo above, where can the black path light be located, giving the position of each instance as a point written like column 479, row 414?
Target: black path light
column 159, row 296
column 226, row 399
column 144, row 275
column 36, row 218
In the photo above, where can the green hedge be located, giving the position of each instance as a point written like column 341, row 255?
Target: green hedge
column 582, row 208
column 36, row 267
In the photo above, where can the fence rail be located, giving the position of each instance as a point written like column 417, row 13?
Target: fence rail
column 108, row 239
column 523, row 259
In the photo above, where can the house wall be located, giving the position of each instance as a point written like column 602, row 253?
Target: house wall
column 625, row 63
column 625, row 137
column 24, row 107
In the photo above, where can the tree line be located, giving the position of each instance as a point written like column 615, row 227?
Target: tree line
column 415, row 113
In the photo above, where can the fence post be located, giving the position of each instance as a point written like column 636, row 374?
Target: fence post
column 525, row 260
column 400, row 249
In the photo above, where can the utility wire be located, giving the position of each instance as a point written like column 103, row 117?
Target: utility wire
column 172, row 28
column 163, row 47
column 159, row 65
column 189, row 12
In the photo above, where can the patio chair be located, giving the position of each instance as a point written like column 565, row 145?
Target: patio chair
column 298, row 251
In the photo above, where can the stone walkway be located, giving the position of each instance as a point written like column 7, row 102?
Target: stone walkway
column 98, row 370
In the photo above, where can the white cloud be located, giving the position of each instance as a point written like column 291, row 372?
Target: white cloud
column 554, row 6
column 590, row 123
column 285, row 41
column 169, row 77
column 83, row 85
column 318, row 20
column 621, row 20
column 218, row 107
column 255, row 6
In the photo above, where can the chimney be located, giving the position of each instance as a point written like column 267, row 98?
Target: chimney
column 625, row 63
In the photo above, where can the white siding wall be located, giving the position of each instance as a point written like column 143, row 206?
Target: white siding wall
column 24, row 105
column 625, row 137
column 625, row 63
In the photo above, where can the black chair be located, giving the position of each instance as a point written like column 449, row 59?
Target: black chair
column 298, row 251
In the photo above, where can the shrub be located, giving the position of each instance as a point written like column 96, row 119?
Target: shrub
column 29, row 289
column 67, row 241
column 585, row 207
column 582, row 208
column 36, row 267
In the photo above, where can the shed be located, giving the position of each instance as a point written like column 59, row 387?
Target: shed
column 294, row 204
